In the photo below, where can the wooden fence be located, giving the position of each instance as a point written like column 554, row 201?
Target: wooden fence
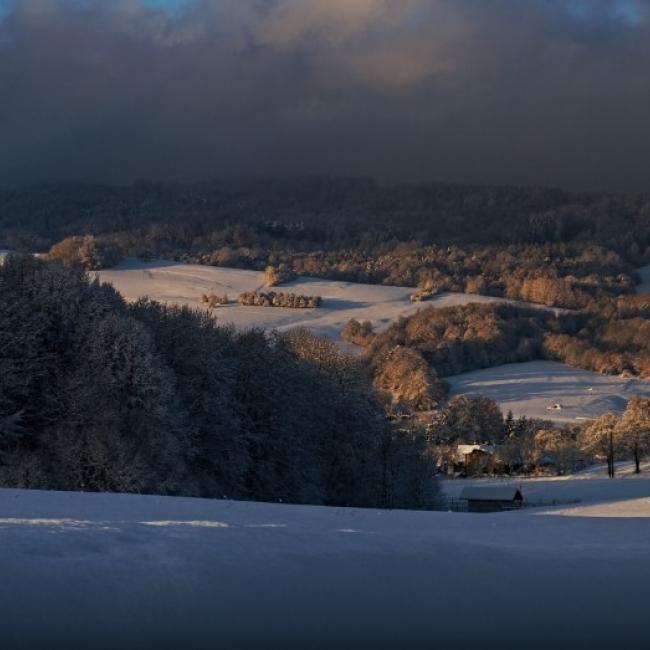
column 456, row 504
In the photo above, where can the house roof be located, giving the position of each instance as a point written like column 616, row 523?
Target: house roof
column 468, row 449
column 498, row 493
column 465, row 450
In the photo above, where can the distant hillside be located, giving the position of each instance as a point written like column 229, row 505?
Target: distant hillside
column 327, row 213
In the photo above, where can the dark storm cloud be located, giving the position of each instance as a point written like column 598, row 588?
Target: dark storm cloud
column 541, row 91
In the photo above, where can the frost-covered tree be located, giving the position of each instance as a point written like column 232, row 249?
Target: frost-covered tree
column 602, row 439
column 121, row 431
column 474, row 419
column 557, row 445
column 634, row 429
column 88, row 251
column 408, row 379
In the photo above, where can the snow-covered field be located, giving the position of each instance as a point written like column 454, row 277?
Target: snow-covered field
column 172, row 282
column 644, row 287
column 123, row 571
column 534, row 388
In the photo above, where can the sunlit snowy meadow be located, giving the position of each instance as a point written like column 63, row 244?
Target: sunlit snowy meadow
column 183, row 284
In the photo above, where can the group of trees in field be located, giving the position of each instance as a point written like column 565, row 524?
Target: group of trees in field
column 524, row 445
column 90, row 252
column 99, row 395
column 574, row 276
column 407, row 379
column 358, row 332
column 276, row 275
column 212, row 300
column 417, row 352
column 278, row 299
column 614, row 436
column 453, row 340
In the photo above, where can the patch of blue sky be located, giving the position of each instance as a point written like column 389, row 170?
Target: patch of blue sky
column 5, row 7
column 172, row 6
column 630, row 12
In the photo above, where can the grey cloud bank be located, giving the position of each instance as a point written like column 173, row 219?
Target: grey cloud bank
column 538, row 92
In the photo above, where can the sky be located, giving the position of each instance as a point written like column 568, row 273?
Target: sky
column 534, row 92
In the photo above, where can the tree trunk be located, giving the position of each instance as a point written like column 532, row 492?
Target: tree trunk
column 637, row 462
column 610, row 455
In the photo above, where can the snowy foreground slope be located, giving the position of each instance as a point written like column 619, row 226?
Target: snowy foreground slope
column 534, row 388
column 121, row 571
column 172, row 282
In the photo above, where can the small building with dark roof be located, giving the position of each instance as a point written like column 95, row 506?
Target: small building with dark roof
column 492, row 498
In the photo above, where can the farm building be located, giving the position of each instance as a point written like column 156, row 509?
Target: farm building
column 492, row 499
column 473, row 459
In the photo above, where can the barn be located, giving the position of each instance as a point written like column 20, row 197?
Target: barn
column 492, row 499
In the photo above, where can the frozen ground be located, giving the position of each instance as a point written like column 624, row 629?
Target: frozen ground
column 531, row 388
column 120, row 571
column 644, row 287
column 177, row 283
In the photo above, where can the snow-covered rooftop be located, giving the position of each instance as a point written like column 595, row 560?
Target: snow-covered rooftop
column 491, row 493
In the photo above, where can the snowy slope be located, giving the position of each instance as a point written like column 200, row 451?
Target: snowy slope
column 184, row 283
column 530, row 388
column 644, row 287
column 119, row 571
